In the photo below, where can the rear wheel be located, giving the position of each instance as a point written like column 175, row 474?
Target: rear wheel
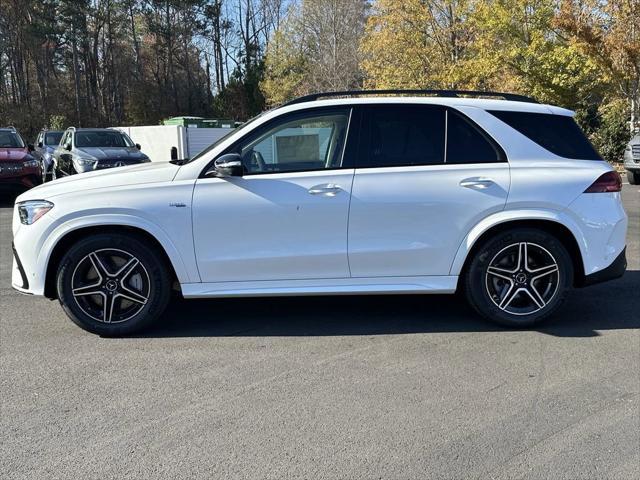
column 519, row 277
column 633, row 177
column 113, row 284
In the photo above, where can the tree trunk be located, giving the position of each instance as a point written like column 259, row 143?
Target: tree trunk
column 76, row 74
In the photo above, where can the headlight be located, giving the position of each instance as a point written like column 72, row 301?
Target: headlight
column 31, row 210
column 30, row 163
column 86, row 162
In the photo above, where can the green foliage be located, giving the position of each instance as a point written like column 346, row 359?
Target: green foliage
column 315, row 49
column 242, row 97
column 58, row 122
column 612, row 131
column 286, row 67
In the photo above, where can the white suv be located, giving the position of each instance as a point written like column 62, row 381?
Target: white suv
column 338, row 193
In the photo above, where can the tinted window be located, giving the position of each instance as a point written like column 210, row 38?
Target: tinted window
column 557, row 133
column 466, row 144
column 10, row 139
column 404, row 135
column 101, row 139
column 52, row 138
column 312, row 141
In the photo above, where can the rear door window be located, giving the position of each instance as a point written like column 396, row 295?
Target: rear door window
column 403, row 135
column 558, row 134
column 466, row 143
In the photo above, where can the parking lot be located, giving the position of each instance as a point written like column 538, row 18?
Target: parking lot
column 325, row 387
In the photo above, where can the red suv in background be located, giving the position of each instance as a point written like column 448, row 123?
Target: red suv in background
column 18, row 168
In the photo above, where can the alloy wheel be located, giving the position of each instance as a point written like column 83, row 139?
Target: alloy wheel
column 110, row 285
column 522, row 278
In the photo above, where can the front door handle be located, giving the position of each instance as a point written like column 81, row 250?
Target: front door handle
column 325, row 189
column 478, row 183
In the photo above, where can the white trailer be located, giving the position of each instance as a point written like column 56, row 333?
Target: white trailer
column 158, row 141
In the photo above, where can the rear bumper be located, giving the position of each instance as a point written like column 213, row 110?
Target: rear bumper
column 613, row 271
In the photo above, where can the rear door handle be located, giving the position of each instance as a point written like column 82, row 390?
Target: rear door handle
column 478, row 183
column 325, row 189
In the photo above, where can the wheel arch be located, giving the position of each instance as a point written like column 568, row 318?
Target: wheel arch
column 64, row 242
column 479, row 235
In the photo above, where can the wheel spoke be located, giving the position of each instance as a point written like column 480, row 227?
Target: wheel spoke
column 132, row 296
column 508, row 296
column 87, row 290
column 101, row 270
column 107, row 307
column 127, row 269
column 535, row 296
column 499, row 272
column 522, row 256
column 544, row 271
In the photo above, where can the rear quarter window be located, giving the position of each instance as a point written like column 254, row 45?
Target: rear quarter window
column 558, row 134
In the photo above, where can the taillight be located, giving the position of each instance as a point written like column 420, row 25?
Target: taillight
column 607, row 182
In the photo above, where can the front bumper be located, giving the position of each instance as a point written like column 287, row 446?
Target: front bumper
column 613, row 271
column 25, row 177
column 19, row 279
column 631, row 161
column 29, row 265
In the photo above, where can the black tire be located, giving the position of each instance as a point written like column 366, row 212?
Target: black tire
column 510, row 294
column 136, row 297
column 633, row 177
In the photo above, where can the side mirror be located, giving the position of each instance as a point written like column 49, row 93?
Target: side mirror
column 138, row 146
column 39, row 144
column 30, row 147
column 228, row 165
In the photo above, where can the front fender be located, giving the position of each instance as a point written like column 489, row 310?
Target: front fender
column 62, row 227
column 506, row 216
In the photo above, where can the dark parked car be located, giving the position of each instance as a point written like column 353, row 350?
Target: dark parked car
column 87, row 149
column 632, row 160
column 18, row 168
column 46, row 143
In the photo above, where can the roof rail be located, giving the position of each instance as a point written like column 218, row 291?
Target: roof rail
column 432, row 93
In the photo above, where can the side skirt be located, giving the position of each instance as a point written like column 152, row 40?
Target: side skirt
column 332, row 286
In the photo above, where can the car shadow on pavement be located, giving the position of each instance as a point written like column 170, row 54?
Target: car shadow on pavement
column 610, row 306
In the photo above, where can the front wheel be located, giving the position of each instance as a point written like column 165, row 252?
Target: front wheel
column 519, row 277
column 113, row 284
column 633, row 177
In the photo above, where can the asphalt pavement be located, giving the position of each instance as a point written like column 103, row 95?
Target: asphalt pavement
column 325, row 387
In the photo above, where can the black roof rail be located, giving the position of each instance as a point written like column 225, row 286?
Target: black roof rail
column 432, row 93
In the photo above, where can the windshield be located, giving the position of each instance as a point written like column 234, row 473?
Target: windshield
column 52, row 138
column 10, row 140
column 222, row 139
column 102, row 139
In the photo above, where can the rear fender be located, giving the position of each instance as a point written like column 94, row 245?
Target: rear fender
column 507, row 216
